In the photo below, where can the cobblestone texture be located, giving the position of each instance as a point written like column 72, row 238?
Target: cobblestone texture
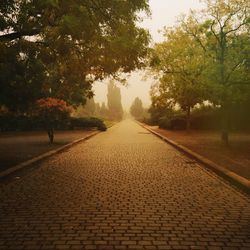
column 122, row 189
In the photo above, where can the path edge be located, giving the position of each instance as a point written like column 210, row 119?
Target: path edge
column 237, row 180
column 44, row 156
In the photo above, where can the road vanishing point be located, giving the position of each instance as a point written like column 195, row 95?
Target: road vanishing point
column 122, row 189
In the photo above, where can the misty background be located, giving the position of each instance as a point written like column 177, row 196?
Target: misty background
column 163, row 14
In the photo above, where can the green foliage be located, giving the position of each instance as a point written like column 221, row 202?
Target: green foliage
column 57, row 48
column 136, row 109
column 21, row 76
column 205, row 57
column 87, row 122
column 10, row 122
column 173, row 123
column 180, row 65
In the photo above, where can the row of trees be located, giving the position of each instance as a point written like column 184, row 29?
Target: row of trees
column 112, row 111
column 204, row 58
column 59, row 48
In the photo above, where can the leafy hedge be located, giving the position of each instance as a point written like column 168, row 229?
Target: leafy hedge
column 205, row 118
column 32, row 123
column 20, row 123
column 176, row 122
column 87, row 122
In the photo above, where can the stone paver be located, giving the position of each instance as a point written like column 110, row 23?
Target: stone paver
column 123, row 189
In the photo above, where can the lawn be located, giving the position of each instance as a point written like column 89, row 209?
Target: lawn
column 235, row 157
column 16, row 147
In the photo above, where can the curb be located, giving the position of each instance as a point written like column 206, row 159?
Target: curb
column 237, row 180
column 44, row 156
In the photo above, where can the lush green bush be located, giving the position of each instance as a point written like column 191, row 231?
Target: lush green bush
column 173, row 123
column 87, row 122
column 206, row 118
column 10, row 122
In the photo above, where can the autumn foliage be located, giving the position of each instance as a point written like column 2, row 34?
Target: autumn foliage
column 53, row 112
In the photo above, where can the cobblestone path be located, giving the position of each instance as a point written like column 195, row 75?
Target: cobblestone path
column 122, row 189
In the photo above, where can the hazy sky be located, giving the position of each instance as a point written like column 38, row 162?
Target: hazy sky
column 164, row 13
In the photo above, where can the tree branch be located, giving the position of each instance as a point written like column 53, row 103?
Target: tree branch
column 233, row 69
column 19, row 34
column 235, row 29
column 212, row 29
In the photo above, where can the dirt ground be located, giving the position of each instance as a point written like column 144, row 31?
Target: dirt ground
column 16, row 147
column 235, row 157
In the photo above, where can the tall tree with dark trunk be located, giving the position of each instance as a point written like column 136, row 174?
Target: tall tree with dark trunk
column 223, row 33
column 179, row 63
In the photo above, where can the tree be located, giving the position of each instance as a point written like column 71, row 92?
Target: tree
column 52, row 112
column 180, row 64
column 223, row 34
column 90, row 106
column 68, row 45
column 136, row 109
column 161, row 104
column 21, row 76
column 97, row 109
column 103, row 111
column 114, row 102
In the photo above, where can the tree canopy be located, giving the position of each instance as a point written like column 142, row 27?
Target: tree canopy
column 206, row 57
column 58, row 48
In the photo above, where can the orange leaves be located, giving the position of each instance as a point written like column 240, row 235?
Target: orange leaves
column 52, row 105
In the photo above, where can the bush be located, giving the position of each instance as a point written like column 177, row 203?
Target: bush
column 9, row 122
column 176, row 122
column 87, row 122
column 210, row 119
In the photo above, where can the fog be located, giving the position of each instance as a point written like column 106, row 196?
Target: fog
column 164, row 13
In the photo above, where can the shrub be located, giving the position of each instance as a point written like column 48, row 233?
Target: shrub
column 174, row 122
column 87, row 122
column 10, row 122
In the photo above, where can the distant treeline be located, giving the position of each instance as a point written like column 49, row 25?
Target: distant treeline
column 112, row 111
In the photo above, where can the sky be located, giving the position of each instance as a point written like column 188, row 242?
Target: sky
column 164, row 13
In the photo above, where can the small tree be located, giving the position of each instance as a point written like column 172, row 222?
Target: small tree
column 179, row 63
column 52, row 112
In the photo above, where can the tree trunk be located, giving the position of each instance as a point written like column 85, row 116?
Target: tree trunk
column 51, row 135
column 225, row 126
column 224, row 137
column 188, row 120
